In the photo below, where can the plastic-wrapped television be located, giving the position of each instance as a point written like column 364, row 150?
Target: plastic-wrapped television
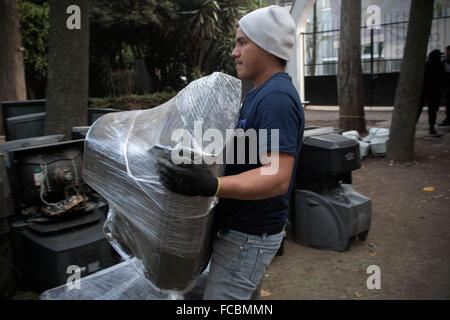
column 165, row 236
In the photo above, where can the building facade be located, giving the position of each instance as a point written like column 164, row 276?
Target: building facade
column 384, row 25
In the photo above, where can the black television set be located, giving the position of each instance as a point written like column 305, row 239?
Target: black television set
column 30, row 142
column 20, row 108
column 79, row 132
column 25, row 126
column 46, row 242
column 26, row 107
column 7, row 146
column 56, row 167
column 95, row 113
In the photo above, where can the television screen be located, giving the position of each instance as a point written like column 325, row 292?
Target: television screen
column 20, row 108
column 25, row 126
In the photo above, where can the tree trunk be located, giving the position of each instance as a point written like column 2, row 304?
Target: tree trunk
column 68, row 67
column 12, row 72
column 407, row 96
column 350, row 77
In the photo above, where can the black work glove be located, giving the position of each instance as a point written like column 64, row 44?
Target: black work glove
column 187, row 179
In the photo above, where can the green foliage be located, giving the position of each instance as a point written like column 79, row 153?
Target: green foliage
column 203, row 22
column 210, row 34
column 222, row 56
column 130, row 15
column 181, row 38
column 34, row 27
column 177, row 38
column 132, row 102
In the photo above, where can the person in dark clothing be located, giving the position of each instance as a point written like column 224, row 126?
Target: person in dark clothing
column 446, row 122
column 251, row 215
column 431, row 90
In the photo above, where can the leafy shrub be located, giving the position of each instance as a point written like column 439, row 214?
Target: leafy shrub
column 34, row 29
column 132, row 102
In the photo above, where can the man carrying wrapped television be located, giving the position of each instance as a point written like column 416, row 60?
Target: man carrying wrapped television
column 252, row 211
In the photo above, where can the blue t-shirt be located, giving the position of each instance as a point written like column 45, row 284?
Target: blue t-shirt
column 273, row 105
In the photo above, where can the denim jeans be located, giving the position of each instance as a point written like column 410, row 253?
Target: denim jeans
column 238, row 262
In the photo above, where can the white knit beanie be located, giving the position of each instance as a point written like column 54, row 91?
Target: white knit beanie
column 271, row 28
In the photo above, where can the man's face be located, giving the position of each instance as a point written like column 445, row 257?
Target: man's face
column 248, row 57
column 447, row 52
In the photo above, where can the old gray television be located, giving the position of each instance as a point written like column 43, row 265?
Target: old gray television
column 25, row 126
column 19, row 108
column 58, row 219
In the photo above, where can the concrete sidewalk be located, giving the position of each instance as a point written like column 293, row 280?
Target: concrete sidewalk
column 379, row 117
column 366, row 108
column 331, row 113
column 336, row 108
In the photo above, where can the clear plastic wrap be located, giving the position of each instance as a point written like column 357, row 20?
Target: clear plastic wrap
column 363, row 146
column 378, row 139
column 119, row 282
column 165, row 236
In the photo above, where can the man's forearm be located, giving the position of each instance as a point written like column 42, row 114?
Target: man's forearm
column 252, row 185
column 268, row 181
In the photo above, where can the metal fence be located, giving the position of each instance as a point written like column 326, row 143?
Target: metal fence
column 381, row 49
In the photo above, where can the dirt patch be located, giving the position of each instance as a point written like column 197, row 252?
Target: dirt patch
column 409, row 237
